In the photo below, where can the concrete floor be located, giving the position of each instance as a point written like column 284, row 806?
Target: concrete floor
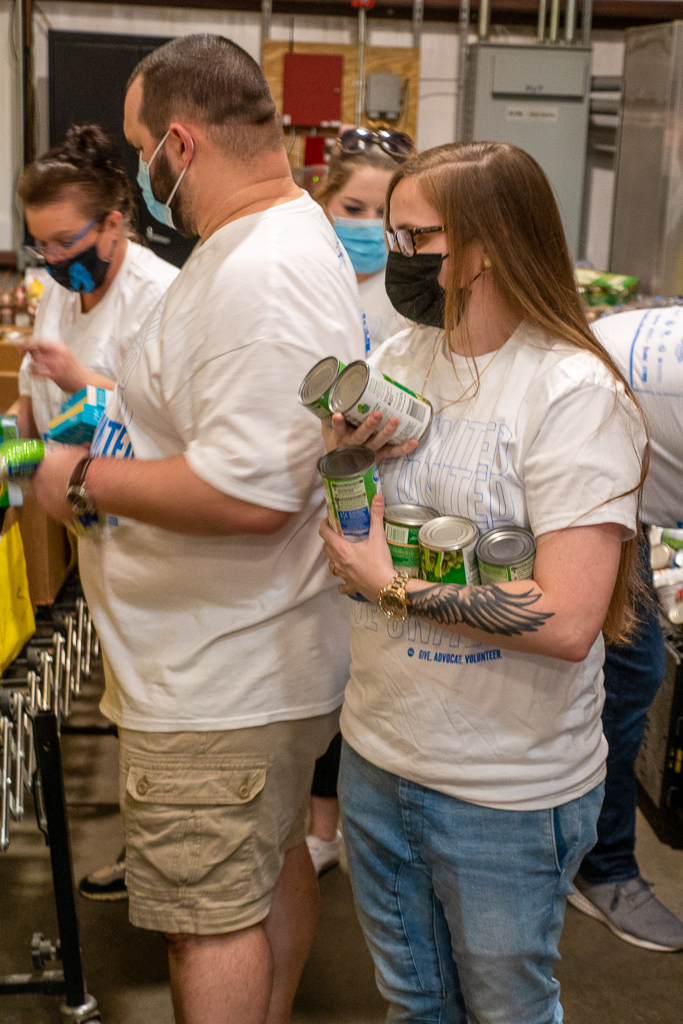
column 603, row 979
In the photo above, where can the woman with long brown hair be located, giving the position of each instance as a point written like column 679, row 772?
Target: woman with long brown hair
column 474, row 760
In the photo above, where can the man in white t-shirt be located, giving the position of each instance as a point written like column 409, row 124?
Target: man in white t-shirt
column 222, row 634
column 647, row 345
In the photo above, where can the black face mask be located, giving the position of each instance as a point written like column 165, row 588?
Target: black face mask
column 413, row 288
column 83, row 273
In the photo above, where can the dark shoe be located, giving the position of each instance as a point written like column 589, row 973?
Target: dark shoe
column 631, row 910
column 108, row 883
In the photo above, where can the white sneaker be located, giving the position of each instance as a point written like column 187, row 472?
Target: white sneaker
column 325, row 853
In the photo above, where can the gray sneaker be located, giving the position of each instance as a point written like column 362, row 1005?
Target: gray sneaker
column 630, row 910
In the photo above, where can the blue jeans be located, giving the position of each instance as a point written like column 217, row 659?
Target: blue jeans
column 633, row 674
column 462, row 906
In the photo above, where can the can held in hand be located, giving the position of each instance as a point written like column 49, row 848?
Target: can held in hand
column 314, row 392
column 507, row 553
column 401, row 525
column 661, row 556
column 362, row 389
column 20, row 458
column 351, row 481
column 447, row 551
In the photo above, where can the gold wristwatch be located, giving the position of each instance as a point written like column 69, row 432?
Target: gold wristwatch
column 393, row 599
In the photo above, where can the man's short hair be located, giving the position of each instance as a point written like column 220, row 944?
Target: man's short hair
column 214, row 82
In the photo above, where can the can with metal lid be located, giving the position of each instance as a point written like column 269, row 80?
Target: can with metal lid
column 661, row 556
column 401, row 525
column 314, row 392
column 674, row 538
column 447, row 551
column 361, row 389
column 675, row 614
column 507, row 553
column 351, row 481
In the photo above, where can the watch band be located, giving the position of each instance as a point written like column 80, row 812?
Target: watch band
column 77, row 478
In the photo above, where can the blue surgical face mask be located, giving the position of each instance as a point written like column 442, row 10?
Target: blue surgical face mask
column 363, row 240
column 160, row 211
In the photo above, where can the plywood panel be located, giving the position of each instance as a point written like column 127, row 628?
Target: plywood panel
column 403, row 61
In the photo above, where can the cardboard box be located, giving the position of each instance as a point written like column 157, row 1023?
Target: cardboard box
column 47, row 550
column 9, row 389
column 10, row 358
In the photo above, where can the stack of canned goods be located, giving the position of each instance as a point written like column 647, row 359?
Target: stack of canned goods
column 423, row 544
column 666, row 548
column 357, row 390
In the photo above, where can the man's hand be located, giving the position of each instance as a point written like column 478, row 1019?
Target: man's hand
column 52, row 479
column 55, row 361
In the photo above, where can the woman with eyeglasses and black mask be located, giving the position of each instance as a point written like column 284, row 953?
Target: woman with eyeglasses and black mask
column 473, row 762
column 79, row 209
column 352, row 196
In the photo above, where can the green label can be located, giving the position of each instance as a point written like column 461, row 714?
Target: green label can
column 351, row 481
column 19, row 459
column 362, row 389
column 314, row 392
column 507, row 553
column 401, row 525
column 447, row 551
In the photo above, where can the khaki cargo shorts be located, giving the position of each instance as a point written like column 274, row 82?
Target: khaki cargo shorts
column 209, row 817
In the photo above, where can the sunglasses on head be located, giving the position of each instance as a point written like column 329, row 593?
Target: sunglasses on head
column 357, row 140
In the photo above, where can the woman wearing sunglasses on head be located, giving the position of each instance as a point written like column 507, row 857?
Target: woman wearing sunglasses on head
column 352, row 195
column 79, row 209
column 473, row 759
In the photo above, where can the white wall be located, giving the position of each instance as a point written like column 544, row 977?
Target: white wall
column 9, row 121
column 438, row 82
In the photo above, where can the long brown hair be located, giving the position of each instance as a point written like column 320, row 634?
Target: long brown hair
column 497, row 195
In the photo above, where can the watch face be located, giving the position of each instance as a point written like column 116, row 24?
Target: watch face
column 80, row 501
column 394, row 605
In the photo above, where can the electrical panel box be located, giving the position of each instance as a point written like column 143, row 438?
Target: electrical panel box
column 536, row 97
column 312, row 92
column 647, row 233
column 383, row 97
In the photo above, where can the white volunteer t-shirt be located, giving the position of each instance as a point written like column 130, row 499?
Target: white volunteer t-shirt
column 647, row 345
column 542, row 446
column 382, row 320
column 203, row 633
column 99, row 339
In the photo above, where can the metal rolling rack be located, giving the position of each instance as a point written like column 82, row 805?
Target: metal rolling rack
column 36, row 696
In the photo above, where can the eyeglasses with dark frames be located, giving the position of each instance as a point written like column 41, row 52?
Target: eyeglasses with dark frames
column 357, row 140
column 404, row 238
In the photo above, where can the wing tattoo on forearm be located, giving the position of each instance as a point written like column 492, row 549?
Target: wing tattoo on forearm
column 489, row 608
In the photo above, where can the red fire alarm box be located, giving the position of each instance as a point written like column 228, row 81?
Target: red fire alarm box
column 312, row 92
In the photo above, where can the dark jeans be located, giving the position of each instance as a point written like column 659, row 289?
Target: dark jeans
column 633, row 674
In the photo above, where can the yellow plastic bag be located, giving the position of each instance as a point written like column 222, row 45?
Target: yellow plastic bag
column 17, row 624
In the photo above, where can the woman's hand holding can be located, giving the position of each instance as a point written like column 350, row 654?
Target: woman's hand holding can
column 366, row 566
column 337, row 433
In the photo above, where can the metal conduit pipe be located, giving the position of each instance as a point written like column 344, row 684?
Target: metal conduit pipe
column 540, row 35
column 484, row 19
column 586, row 22
column 360, row 84
column 570, row 22
column 418, row 18
column 462, row 71
column 554, row 21
column 266, row 18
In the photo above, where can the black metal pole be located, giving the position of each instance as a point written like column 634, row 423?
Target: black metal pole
column 27, row 94
column 50, row 766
